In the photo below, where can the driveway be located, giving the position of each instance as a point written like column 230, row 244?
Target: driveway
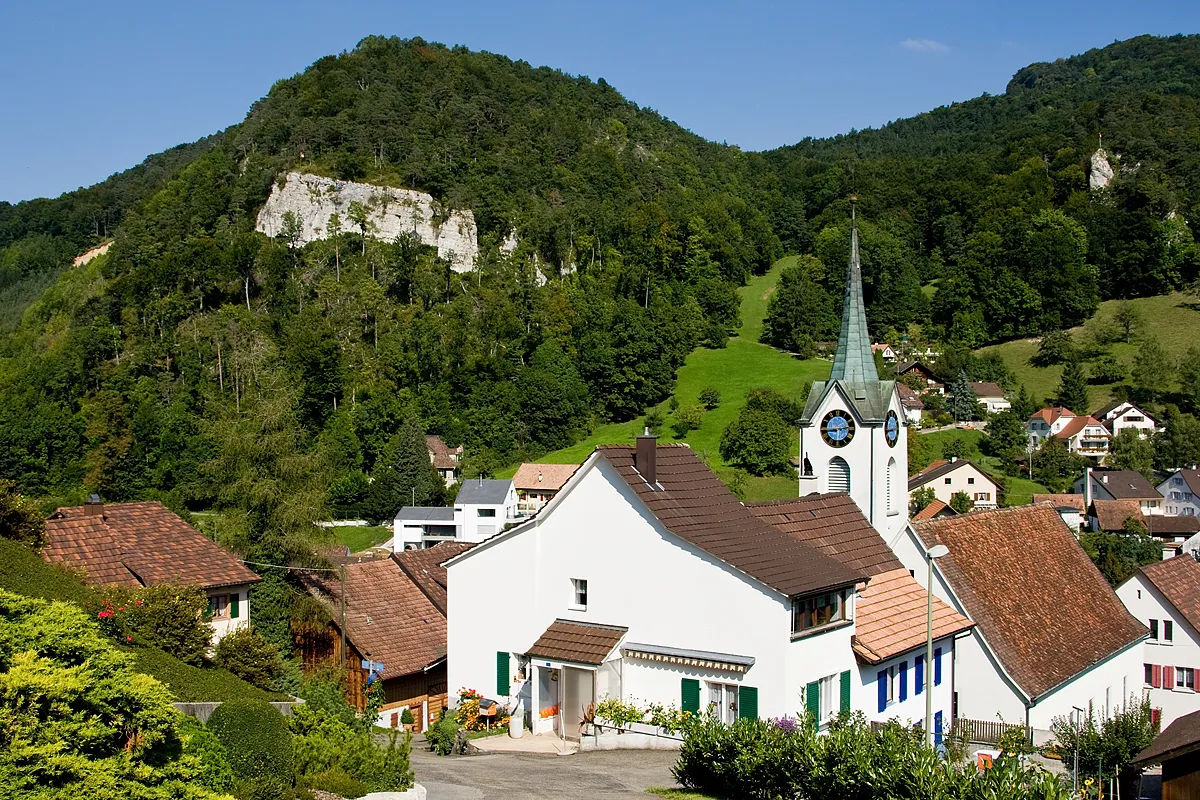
column 518, row 776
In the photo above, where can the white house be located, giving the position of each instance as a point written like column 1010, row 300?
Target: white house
column 445, row 459
column 1084, row 435
column 1181, row 491
column 536, row 484
column 146, row 544
column 1165, row 597
column 1119, row 484
column 912, row 403
column 949, row 477
column 1050, row 635
column 886, row 352
column 990, row 396
column 482, row 508
column 1121, row 414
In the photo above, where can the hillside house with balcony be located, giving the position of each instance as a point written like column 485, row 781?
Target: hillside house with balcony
column 1084, row 435
column 536, row 485
column 1121, row 414
column 1181, row 493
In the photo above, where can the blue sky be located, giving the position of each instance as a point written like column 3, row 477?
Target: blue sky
column 91, row 89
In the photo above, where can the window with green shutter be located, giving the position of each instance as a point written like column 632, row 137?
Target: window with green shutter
column 502, row 674
column 812, row 701
column 233, row 605
column 689, row 695
column 845, row 705
column 747, row 702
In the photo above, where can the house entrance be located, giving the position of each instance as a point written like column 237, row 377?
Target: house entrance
column 578, row 693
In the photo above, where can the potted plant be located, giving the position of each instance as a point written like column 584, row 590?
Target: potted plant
column 406, row 719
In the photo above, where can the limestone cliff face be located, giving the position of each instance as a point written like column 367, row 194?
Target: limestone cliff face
column 391, row 212
column 1101, row 172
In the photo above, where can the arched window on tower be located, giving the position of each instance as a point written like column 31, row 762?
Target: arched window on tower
column 892, row 490
column 839, row 475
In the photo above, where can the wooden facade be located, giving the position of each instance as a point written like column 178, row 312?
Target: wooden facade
column 1181, row 777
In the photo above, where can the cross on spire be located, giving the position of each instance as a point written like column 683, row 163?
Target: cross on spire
column 854, row 360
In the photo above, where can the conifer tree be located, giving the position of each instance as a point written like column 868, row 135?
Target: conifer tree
column 1073, row 390
column 964, row 405
column 404, row 476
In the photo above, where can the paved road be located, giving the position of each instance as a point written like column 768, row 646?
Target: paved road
column 619, row 773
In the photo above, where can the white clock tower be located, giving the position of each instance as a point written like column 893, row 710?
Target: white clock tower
column 852, row 435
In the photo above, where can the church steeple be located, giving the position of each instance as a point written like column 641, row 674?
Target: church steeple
column 854, row 360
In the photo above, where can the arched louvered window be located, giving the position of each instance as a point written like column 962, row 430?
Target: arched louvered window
column 839, row 475
column 893, row 492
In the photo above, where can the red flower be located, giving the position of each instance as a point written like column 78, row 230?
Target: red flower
column 129, row 638
column 104, row 614
column 122, row 608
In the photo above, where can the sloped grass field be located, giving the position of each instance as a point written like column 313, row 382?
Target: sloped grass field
column 742, row 365
column 1172, row 319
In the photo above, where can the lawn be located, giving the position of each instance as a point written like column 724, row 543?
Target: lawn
column 361, row 537
column 755, row 296
column 1171, row 319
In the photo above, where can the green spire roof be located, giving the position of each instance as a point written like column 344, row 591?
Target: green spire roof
column 854, row 360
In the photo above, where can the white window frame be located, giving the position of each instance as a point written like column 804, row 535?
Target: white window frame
column 579, row 594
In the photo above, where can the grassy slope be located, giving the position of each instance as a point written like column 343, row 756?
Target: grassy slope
column 24, row 572
column 360, row 537
column 1172, row 319
column 743, row 365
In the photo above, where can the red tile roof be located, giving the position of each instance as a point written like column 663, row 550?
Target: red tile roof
column 1051, row 415
column 909, row 398
column 935, row 509
column 1178, row 579
column 1112, row 514
column 1163, row 525
column 1077, row 425
column 833, row 524
column 577, row 642
column 1015, row 570
column 692, row 503
column 543, row 477
column 424, row 568
column 1074, row 500
column 388, row 617
column 442, row 455
column 139, row 544
column 891, row 617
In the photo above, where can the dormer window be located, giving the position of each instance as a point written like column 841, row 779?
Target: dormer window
column 817, row 611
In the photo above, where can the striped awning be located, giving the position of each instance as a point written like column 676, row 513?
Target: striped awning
column 703, row 659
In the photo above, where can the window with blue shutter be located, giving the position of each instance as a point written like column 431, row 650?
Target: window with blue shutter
column 937, row 729
column 903, row 681
column 937, row 666
column 689, row 695
column 812, row 702
column 233, row 605
column 502, row 675
column 845, row 699
column 881, row 682
column 747, row 702
column 919, row 675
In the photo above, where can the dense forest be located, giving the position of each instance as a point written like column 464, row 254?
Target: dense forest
column 213, row 367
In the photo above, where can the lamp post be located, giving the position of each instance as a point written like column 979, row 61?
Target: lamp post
column 937, row 551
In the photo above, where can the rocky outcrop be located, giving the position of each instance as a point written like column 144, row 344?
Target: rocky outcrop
column 390, row 213
column 1100, row 172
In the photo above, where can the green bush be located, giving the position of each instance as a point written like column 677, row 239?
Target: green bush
column 323, row 744
column 249, row 656
column 171, row 618
column 406, row 717
column 20, row 518
column 215, row 774
column 442, row 735
column 256, row 739
column 763, row 759
column 710, row 398
column 334, row 781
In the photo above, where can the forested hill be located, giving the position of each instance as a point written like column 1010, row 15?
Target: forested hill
column 212, row 366
column 990, row 198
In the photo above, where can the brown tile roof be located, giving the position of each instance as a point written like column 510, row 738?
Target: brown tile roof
column 1077, row 424
column 937, row 463
column 1125, row 484
column 909, row 398
column 890, row 617
column 984, row 389
column 424, row 568
column 833, row 524
column 1179, row 581
column 546, row 477
column 1051, row 415
column 1163, row 525
column 577, row 642
column 935, row 509
column 442, row 454
column 1075, row 500
column 1015, row 569
column 387, row 615
column 139, row 544
column 1111, row 514
column 1181, row 738
column 696, row 506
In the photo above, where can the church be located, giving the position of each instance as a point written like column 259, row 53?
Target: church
column 646, row 579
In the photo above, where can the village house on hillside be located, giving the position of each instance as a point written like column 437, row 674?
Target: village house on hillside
column 1165, row 597
column 1121, row 414
column 482, row 508
column 536, row 484
column 445, row 459
column 1119, row 484
column 395, row 612
column 1181, row 491
column 1085, row 435
column 948, row 477
column 913, row 405
column 146, row 544
column 990, row 396
column 1050, row 633
column 931, row 381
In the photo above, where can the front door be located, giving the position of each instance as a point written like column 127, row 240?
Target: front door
column 578, row 693
column 723, row 701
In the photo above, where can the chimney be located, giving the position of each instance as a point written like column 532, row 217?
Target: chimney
column 953, row 459
column 645, row 457
column 94, row 506
column 1087, row 489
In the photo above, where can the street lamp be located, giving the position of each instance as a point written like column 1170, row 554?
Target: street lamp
column 937, row 551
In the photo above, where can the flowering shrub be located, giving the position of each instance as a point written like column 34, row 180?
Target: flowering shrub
column 669, row 719
column 619, row 713
column 171, row 618
column 469, row 694
column 786, row 724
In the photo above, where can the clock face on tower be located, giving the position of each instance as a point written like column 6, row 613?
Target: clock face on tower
column 891, row 429
column 837, row 429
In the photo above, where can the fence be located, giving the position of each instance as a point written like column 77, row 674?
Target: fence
column 983, row 731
